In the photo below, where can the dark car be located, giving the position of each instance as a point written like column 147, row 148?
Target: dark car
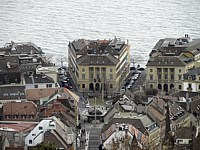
column 140, row 69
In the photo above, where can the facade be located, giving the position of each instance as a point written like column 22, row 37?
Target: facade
column 98, row 64
column 169, row 60
column 191, row 80
column 165, row 73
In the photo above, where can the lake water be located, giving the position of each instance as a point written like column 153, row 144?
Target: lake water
column 51, row 24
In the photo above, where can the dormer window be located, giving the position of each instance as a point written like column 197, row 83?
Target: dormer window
column 23, row 116
column 189, row 78
column 7, row 116
column 15, row 116
column 31, row 116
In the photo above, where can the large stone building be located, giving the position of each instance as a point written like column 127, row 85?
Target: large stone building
column 169, row 60
column 99, row 64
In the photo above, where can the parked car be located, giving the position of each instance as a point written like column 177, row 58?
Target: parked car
column 87, row 105
column 129, row 86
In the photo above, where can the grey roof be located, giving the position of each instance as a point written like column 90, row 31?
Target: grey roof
column 79, row 44
column 184, row 93
column 185, row 133
column 195, row 71
column 138, row 121
column 158, row 44
column 37, row 79
column 49, row 137
column 12, row 92
column 193, row 45
column 97, row 60
column 9, row 64
column 166, row 61
column 97, row 50
column 19, row 48
column 195, row 105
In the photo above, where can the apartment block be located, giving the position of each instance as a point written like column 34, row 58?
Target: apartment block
column 169, row 60
column 97, row 65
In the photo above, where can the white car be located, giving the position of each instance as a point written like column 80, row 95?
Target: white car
column 87, row 105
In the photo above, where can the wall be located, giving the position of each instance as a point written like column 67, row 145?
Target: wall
column 37, row 134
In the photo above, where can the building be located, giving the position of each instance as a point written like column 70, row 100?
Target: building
column 98, row 64
column 138, row 126
column 20, row 111
column 15, row 132
column 62, row 134
column 191, row 80
column 36, row 94
column 39, row 81
column 10, row 93
column 169, row 60
column 18, row 59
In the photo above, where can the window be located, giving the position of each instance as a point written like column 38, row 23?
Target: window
column 31, row 116
column 159, row 76
column 151, row 70
column 180, row 87
column 49, row 85
column 111, row 76
column 30, row 141
column 166, row 77
column 83, row 86
column 165, row 69
column 97, row 69
column 179, row 77
column 189, row 85
column 171, row 70
column 36, row 86
column 23, row 116
column 159, row 70
column 98, row 76
column 111, row 86
column 111, row 70
column 91, row 69
column 151, row 86
column 91, row 76
column 172, row 77
column 83, row 69
column 103, row 69
column 15, row 116
column 199, row 86
column 83, row 76
column 151, row 77
column 40, row 128
column 179, row 70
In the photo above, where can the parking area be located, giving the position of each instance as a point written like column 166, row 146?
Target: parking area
column 64, row 79
column 134, row 80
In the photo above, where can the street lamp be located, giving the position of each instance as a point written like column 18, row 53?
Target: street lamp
column 95, row 109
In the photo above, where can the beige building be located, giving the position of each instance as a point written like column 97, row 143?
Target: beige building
column 98, row 64
column 169, row 60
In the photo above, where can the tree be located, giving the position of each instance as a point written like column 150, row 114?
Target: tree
column 43, row 146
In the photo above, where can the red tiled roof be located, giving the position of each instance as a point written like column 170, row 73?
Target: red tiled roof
column 156, row 113
column 36, row 94
column 19, row 108
column 56, row 108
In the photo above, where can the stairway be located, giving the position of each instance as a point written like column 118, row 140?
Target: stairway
column 94, row 138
